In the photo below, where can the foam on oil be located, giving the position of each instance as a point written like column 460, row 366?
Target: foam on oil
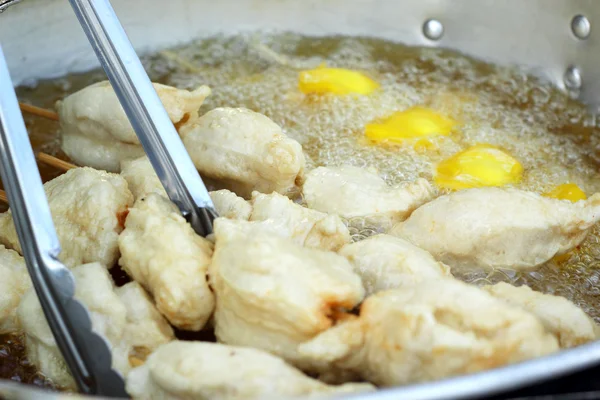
column 544, row 129
column 551, row 135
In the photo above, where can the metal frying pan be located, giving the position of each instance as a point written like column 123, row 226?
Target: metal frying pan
column 555, row 39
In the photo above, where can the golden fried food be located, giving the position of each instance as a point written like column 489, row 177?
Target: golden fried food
column 161, row 251
column 95, row 131
column 499, row 228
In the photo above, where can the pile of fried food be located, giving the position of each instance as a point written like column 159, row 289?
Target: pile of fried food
column 296, row 307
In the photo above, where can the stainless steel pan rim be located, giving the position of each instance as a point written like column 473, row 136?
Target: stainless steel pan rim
column 490, row 382
column 498, row 380
column 558, row 39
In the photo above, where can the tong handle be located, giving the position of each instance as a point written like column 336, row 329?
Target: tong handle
column 146, row 113
column 4, row 4
column 86, row 354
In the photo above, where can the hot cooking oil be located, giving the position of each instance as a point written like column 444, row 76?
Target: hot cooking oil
column 550, row 136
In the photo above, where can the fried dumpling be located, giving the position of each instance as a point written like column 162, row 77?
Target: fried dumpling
column 110, row 318
column 15, row 282
column 88, row 208
column 161, row 251
column 277, row 215
column 145, row 328
column 244, row 151
column 273, row 294
column 142, row 180
column 499, row 228
column 429, row 331
column 569, row 323
column 230, row 205
column 355, row 192
column 96, row 131
column 387, row 262
column 307, row 227
column 202, row 371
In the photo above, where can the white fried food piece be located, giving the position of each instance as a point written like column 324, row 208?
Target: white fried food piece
column 14, row 283
column 429, row 331
column 273, row 294
column 304, row 226
column 161, row 251
column 230, row 205
column 569, row 323
column 499, row 228
column 387, row 262
column 100, row 154
column 110, row 318
column 142, row 180
column 202, row 371
column 355, row 192
column 277, row 215
column 244, row 151
column 146, row 328
column 88, row 208
column 94, row 288
column 96, row 131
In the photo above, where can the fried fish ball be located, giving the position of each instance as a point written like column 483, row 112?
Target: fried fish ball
column 109, row 316
column 161, row 251
column 355, row 192
column 499, row 228
column 95, row 128
column 387, row 262
column 244, row 151
column 199, row 371
column 429, row 331
column 87, row 209
column 15, row 282
column 569, row 323
column 273, row 294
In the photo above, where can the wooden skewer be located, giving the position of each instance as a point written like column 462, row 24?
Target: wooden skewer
column 40, row 112
column 42, row 157
column 55, row 162
column 48, row 160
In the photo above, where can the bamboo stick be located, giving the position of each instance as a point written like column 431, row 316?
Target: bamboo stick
column 40, row 112
column 54, row 162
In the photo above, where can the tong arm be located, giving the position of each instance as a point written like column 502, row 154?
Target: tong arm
column 146, row 113
column 86, row 354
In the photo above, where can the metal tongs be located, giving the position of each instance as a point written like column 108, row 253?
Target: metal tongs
column 86, row 354
column 147, row 115
column 145, row 111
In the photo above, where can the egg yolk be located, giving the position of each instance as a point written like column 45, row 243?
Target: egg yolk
column 416, row 122
column 424, row 145
column 567, row 191
column 335, row 80
column 478, row 166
